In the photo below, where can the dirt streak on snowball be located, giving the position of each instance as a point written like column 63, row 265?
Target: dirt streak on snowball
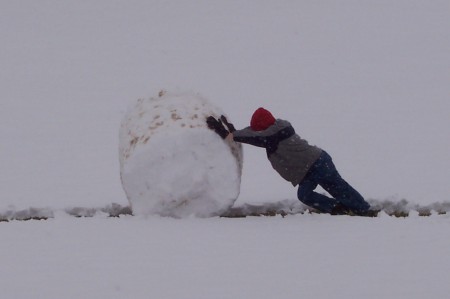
column 171, row 164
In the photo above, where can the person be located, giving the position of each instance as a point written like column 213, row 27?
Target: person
column 298, row 162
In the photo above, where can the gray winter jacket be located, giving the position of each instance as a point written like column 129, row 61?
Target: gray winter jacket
column 290, row 155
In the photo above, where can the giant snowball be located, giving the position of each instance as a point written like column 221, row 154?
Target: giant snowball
column 171, row 164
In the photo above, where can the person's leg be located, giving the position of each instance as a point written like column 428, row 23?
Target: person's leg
column 306, row 188
column 313, row 199
column 334, row 184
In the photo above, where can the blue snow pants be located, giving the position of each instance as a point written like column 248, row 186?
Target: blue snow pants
column 324, row 173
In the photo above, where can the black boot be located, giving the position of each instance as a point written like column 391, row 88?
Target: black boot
column 340, row 209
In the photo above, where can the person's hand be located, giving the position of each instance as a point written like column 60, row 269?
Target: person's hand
column 217, row 126
column 230, row 126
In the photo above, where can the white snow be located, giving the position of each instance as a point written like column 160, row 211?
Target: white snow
column 171, row 163
column 304, row 256
column 366, row 80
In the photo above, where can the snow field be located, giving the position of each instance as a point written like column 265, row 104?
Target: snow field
column 301, row 256
column 365, row 80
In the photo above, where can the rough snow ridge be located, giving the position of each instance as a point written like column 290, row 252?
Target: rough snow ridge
column 401, row 208
column 26, row 214
column 285, row 207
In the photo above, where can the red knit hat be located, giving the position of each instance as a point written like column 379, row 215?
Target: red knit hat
column 261, row 120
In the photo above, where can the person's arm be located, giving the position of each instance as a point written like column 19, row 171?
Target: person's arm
column 256, row 138
column 247, row 135
column 268, row 139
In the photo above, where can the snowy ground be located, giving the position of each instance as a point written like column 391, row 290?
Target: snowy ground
column 302, row 256
column 366, row 80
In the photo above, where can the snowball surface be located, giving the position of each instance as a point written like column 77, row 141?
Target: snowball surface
column 172, row 164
